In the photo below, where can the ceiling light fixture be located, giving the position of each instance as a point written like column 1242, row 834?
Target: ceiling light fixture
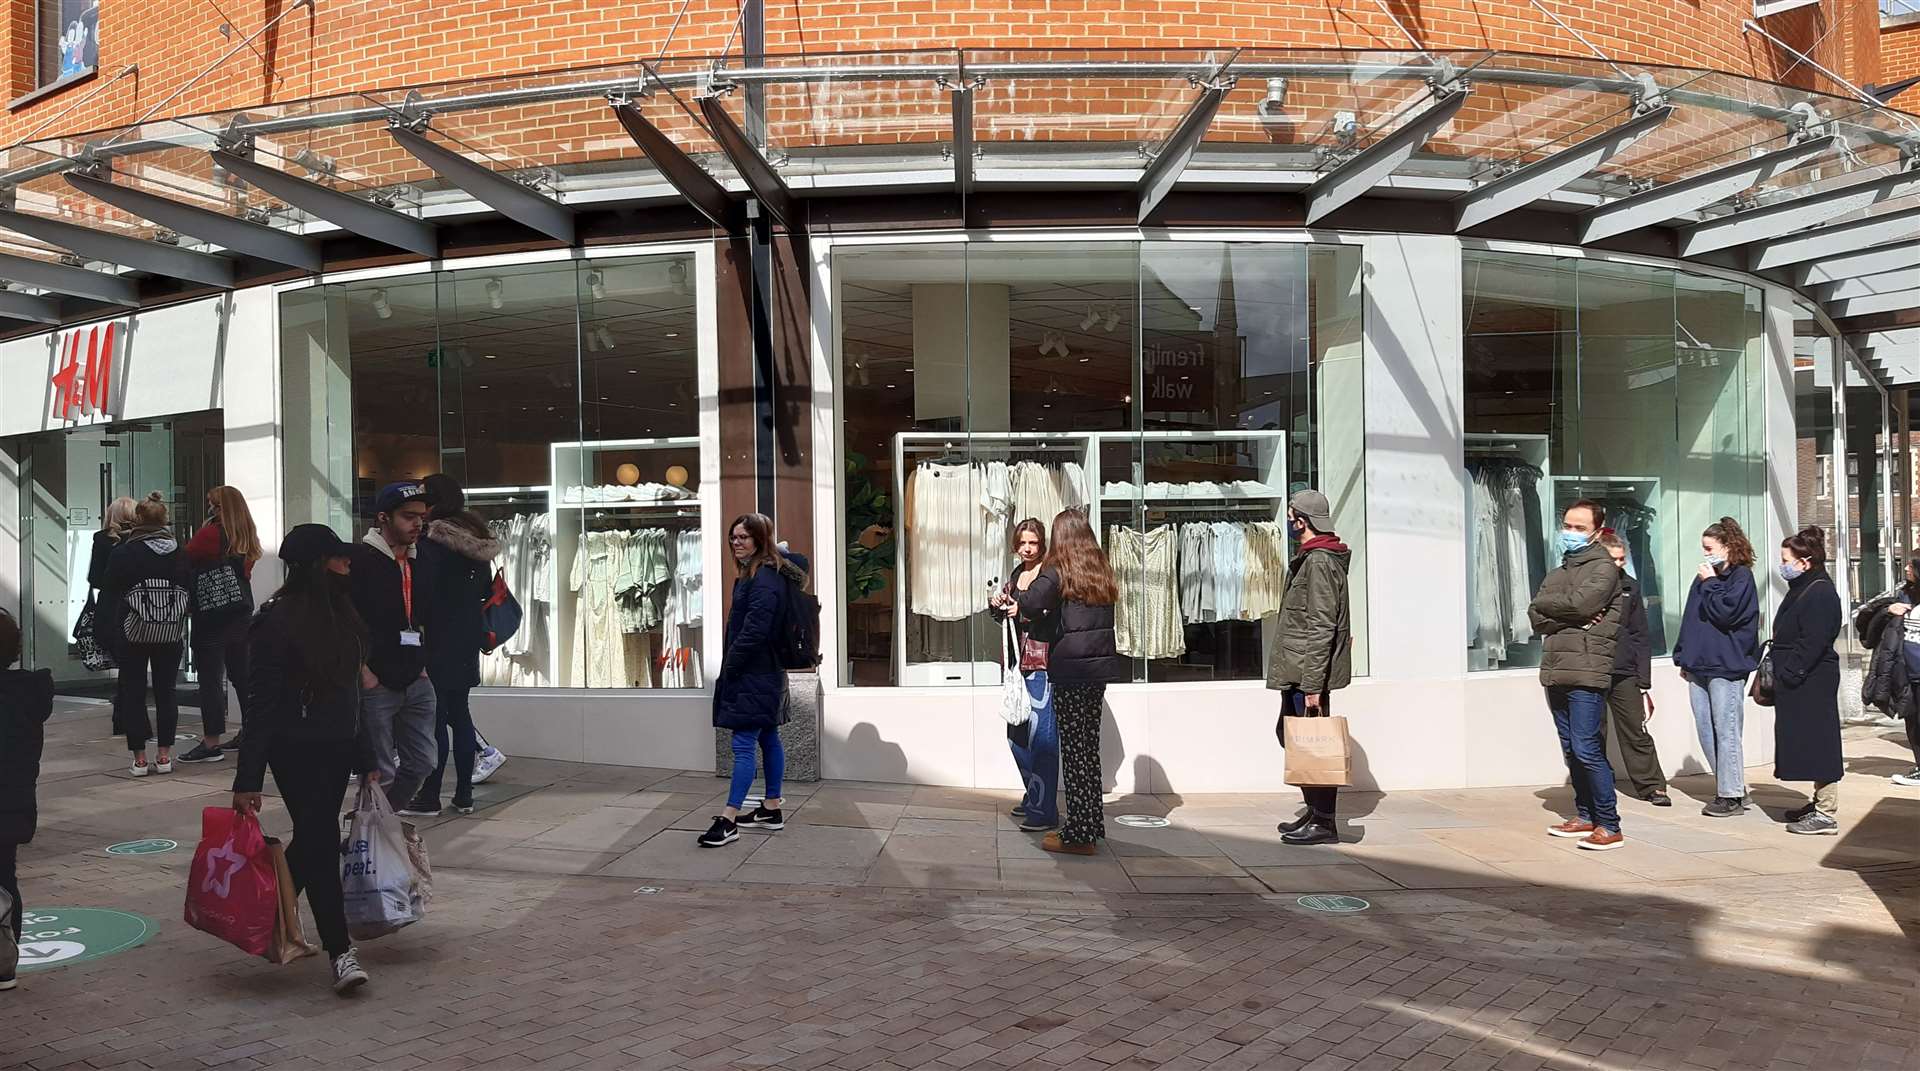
column 1091, row 318
column 593, row 342
column 1113, row 318
column 597, row 285
column 496, row 294
column 606, row 337
column 380, row 306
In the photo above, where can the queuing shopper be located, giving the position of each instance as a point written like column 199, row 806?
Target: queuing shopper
column 456, row 557
column 750, row 695
column 145, row 608
column 1578, row 611
column 1894, row 669
column 113, row 528
column 306, row 649
column 26, row 702
column 1630, row 697
column 1313, row 657
column 1719, row 647
column 395, row 601
column 220, row 644
column 1035, row 744
column 1806, row 677
column 1071, row 605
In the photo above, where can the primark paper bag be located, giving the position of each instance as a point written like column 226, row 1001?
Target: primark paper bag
column 1318, row 752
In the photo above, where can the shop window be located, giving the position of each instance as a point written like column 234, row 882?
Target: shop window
column 1174, row 392
column 564, row 398
column 66, row 48
column 1822, row 476
column 1636, row 387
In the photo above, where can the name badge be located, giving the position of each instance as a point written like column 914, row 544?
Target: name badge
column 409, row 637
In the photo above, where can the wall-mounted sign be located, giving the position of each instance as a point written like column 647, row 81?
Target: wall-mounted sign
column 83, row 370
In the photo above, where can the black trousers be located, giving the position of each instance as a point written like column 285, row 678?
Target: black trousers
column 138, row 661
column 1627, row 711
column 1322, row 800
column 218, row 657
column 1076, row 709
column 1913, row 733
column 10, row 881
column 453, row 722
column 312, row 778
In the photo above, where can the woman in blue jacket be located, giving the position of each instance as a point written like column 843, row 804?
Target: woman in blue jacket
column 1719, row 647
column 750, row 694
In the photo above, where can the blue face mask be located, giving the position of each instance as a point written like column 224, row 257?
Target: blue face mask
column 1790, row 572
column 1572, row 541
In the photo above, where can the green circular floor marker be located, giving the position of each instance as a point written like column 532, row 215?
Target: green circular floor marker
column 50, row 936
column 143, row 847
column 1339, row 905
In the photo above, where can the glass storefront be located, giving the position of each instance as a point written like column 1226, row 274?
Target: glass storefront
column 1174, row 392
column 565, row 398
column 1636, row 387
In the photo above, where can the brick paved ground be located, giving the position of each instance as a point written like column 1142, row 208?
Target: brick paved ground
column 899, row 928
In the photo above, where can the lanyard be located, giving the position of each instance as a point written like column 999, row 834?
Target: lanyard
column 406, row 586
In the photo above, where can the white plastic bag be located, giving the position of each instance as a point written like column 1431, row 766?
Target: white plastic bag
column 377, row 879
column 1015, row 707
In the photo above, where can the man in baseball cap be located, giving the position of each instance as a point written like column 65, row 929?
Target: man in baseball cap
column 1314, row 655
column 397, row 699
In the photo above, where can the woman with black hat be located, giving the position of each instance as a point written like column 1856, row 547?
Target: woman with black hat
column 305, row 648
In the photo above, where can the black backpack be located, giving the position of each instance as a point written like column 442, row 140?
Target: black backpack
column 797, row 640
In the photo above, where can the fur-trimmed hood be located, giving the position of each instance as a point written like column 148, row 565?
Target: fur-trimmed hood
column 794, row 567
column 463, row 542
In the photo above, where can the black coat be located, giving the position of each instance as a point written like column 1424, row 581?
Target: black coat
column 1887, row 685
column 26, row 702
column 284, row 704
column 377, row 595
column 145, row 554
column 103, row 544
column 1806, row 674
column 1633, row 651
column 1079, row 635
column 751, row 691
column 459, row 565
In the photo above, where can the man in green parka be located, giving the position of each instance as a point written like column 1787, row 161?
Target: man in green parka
column 1313, row 657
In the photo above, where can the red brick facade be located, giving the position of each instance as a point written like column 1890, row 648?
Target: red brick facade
column 1900, row 58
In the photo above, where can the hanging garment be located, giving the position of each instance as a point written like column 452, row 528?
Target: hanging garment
column 599, row 646
column 992, row 557
column 1146, row 617
column 1229, row 570
column 1196, row 572
column 940, row 545
column 1266, row 569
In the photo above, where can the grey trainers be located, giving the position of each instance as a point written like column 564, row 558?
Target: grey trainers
column 1816, row 825
column 347, row 975
column 1725, row 807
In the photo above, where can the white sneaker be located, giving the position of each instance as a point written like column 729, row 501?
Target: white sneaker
column 163, row 767
column 1910, row 780
column 347, row 975
column 487, row 763
column 140, row 769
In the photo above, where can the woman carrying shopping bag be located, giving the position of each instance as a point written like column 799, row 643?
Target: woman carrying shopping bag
column 1071, row 601
column 145, row 605
column 1036, row 743
column 750, row 694
column 225, row 544
column 305, row 650
column 456, row 559
column 91, row 633
column 1719, row 647
column 1806, row 681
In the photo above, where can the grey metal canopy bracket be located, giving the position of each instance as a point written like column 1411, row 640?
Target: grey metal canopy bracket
column 1901, row 228
column 706, row 195
column 1542, row 177
column 1676, row 199
column 1868, row 304
column 69, row 280
column 759, row 175
column 136, row 253
column 505, row 196
column 353, row 214
column 1165, row 168
column 1797, row 214
column 1371, row 165
column 27, row 307
column 963, row 140
column 1902, row 257
column 1869, row 285
column 267, row 243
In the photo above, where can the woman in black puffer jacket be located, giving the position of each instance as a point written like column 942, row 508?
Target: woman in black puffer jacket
column 1891, row 675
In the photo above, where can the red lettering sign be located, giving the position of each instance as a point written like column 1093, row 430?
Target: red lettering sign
column 83, row 380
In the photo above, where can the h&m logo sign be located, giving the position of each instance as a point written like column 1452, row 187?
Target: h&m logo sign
column 84, row 367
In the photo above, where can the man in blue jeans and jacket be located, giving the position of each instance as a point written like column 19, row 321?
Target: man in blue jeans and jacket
column 1578, row 610
column 396, row 699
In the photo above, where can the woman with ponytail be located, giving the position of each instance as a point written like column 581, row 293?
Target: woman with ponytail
column 1806, row 683
column 1719, row 647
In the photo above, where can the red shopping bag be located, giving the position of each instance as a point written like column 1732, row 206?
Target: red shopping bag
column 231, row 890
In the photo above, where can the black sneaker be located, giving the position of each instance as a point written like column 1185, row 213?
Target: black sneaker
column 1724, row 807
column 233, row 744
column 8, row 982
column 463, row 806
column 347, row 973
column 202, row 753
column 421, row 809
column 1019, row 811
column 720, row 834
column 761, row 818
column 1031, row 825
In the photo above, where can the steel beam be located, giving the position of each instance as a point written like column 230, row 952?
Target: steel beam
column 1869, row 285
column 27, row 307
column 759, row 175
column 1542, row 177
column 356, row 215
column 1165, row 168
column 505, row 196
column 701, row 190
column 963, row 141
column 1797, row 214
column 1902, row 257
column 1894, row 228
column 253, row 239
column 69, row 280
column 1676, row 199
column 1367, row 168
column 1892, row 301
column 139, row 254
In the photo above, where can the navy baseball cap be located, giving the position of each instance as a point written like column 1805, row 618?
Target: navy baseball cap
column 395, row 495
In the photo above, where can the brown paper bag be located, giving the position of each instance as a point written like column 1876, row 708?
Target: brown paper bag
column 1317, row 752
column 289, row 941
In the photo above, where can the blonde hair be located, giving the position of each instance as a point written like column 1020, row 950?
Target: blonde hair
column 151, row 511
column 119, row 516
column 236, row 523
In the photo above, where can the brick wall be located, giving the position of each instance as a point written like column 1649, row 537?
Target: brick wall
column 344, row 46
column 1900, row 58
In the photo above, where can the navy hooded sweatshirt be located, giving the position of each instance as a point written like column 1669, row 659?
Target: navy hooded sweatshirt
column 1720, row 631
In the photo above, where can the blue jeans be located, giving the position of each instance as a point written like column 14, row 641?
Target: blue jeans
column 1719, row 716
column 1036, row 752
column 1580, row 717
column 744, row 742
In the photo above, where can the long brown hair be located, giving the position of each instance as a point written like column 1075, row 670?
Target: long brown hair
column 332, row 638
column 1728, row 532
column 1031, row 524
column 236, row 523
column 760, row 527
column 1082, row 566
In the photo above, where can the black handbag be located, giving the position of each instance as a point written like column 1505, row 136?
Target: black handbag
column 93, row 654
column 1761, row 691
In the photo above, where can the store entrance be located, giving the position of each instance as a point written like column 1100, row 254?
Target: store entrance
column 67, row 480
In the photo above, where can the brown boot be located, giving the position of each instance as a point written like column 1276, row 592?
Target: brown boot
column 1052, row 843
